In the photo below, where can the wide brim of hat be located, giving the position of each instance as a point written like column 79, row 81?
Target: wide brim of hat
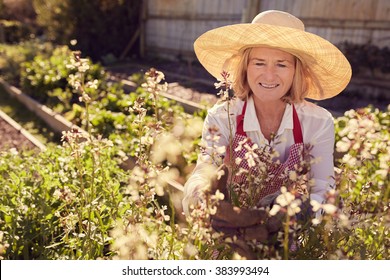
column 218, row 50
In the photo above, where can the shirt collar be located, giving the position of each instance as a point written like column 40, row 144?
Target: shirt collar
column 251, row 122
column 287, row 120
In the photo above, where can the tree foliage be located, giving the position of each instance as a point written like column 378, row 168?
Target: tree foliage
column 101, row 27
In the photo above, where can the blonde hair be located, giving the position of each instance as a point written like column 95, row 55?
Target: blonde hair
column 302, row 80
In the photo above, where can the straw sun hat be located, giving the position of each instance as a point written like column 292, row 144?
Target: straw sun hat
column 219, row 49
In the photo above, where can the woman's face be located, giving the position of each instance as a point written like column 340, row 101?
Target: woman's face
column 270, row 73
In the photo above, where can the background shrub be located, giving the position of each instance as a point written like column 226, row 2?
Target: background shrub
column 15, row 31
column 100, row 27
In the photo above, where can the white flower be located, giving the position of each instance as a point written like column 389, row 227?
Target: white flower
column 93, row 84
column 14, row 151
column 251, row 162
column 329, row 208
column 294, row 208
column 167, row 148
column 83, row 65
column 190, row 249
column 350, row 113
column 344, row 220
column 218, row 196
column 384, row 161
column 285, row 198
column 293, row 175
column 221, row 150
column 275, row 209
column 356, row 145
column 350, row 160
column 343, row 145
column 194, row 127
column 147, row 140
column 220, row 173
column 316, row 221
column 382, row 173
column 315, row 205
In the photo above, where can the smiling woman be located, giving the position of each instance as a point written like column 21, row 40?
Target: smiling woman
column 274, row 65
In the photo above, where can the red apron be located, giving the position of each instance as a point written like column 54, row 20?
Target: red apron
column 275, row 173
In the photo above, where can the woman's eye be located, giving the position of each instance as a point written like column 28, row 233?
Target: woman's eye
column 281, row 65
column 259, row 64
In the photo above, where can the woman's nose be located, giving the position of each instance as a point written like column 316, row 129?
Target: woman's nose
column 270, row 73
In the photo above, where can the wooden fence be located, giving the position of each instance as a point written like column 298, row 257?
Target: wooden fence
column 171, row 26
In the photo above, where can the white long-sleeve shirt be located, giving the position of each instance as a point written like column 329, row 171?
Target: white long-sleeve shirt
column 317, row 129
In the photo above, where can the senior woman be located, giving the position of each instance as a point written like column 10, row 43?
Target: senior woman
column 274, row 65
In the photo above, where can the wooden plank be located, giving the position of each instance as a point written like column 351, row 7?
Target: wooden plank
column 251, row 10
column 348, row 24
column 370, row 10
column 197, row 17
column 142, row 28
column 56, row 121
column 381, row 38
column 338, row 35
column 2, row 33
column 383, row 10
column 130, row 44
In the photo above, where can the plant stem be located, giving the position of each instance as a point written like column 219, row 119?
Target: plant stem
column 286, row 237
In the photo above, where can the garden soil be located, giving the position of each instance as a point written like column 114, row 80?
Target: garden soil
column 12, row 138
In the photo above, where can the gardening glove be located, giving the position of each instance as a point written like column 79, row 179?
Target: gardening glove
column 306, row 213
column 268, row 200
column 228, row 215
column 231, row 216
column 243, row 249
column 257, row 232
column 246, row 224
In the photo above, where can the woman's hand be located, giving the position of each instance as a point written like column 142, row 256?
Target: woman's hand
column 248, row 223
column 228, row 215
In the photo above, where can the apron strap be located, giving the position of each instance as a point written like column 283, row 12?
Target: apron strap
column 297, row 130
column 240, row 122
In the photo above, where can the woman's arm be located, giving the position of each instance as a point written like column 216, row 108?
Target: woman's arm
column 322, row 170
column 214, row 141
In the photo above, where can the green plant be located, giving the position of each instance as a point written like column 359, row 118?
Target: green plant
column 48, row 211
column 72, row 202
column 363, row 141
column 12, row 57
column 42, row 77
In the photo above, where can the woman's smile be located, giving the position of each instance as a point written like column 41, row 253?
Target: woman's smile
column 268, row 86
